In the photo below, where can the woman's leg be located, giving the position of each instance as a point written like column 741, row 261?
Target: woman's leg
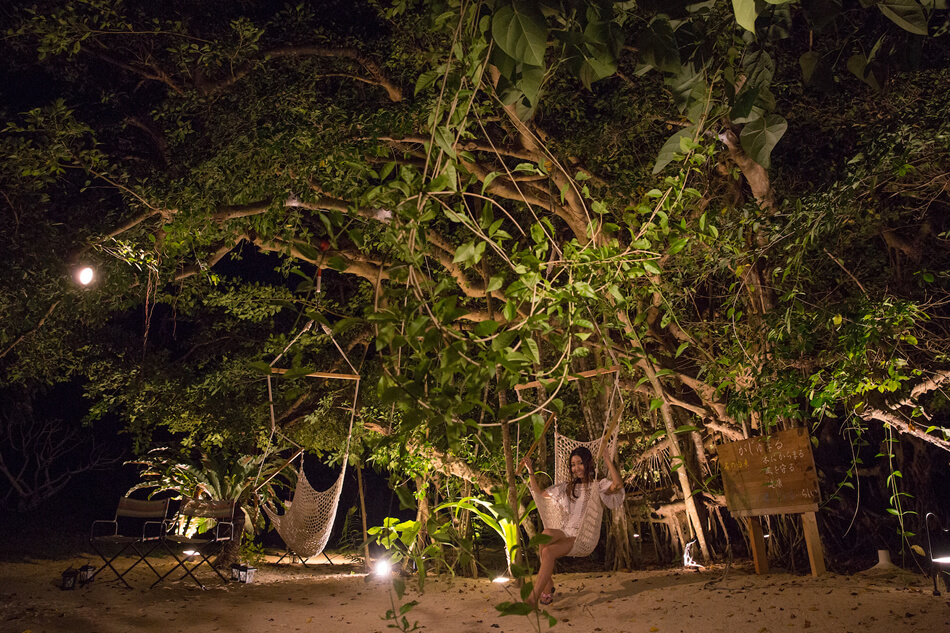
column 559, row 545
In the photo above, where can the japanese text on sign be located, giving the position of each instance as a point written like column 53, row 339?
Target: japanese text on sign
column 773, row 474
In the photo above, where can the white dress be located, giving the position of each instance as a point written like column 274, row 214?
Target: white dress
column 573, row 509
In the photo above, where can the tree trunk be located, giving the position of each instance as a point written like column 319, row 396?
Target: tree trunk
column 621, row 546
column 676, row 455
column 422, row 513
column 359, row 480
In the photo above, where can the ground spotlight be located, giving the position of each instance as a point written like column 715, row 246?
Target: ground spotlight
column 383, row 568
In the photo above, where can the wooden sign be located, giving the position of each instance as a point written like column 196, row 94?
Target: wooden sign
column 773, row 474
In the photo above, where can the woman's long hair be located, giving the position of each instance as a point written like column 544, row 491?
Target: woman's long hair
column 588, row 460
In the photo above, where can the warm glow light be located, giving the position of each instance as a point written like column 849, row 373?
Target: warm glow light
column 85, row 276
column 688, row 559
column 501, row 580
column 189, row 553
column 383, row 568
column 943, row 560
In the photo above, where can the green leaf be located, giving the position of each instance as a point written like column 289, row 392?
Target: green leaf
column 906, row 14
column 686, row 428
column 744, row 102
column 858, row 65
column 520, row 30
column 760, row 137
column 671, row 147
column 443, row 138
column 261, row 367
column 530, row 83
column 658, row 45
column 809, row 62
column 406, row 499
column 486, row 328
column 309, row 252
column 515, row 608
column 464, row 253
column 745, row 13
column 532, row 350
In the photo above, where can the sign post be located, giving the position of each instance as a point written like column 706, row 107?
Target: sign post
column 773, row 474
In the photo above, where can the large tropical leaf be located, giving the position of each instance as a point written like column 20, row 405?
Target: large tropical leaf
column 658, row 45
column 519, row 29
column 760, row 136
column 907, row 14
column 745, row 13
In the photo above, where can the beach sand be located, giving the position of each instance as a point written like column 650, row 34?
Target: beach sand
column 341, row 598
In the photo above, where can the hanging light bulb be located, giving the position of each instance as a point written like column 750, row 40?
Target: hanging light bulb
column 86, row 276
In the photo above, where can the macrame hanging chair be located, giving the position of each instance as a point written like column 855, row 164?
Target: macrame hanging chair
column 552, row 515
column 306, row 524
column 308, row 520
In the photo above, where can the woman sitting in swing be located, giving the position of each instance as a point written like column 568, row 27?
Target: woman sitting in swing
column 571, row 497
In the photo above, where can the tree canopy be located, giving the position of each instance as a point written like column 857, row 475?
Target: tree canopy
column 741, row 205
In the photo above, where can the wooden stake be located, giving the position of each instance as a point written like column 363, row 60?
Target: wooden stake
column 759, row 555
column 813, row 542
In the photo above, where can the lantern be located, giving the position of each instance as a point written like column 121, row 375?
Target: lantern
column 235, row 571
column 86, row 574
column 69, row 579
column 249, row 575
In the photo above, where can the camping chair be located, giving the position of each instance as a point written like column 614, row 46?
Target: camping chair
column 138, row 527
column 205, row 544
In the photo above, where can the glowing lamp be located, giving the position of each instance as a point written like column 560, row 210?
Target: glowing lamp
column 501, row 580
column 86, row 275
column 383, row 568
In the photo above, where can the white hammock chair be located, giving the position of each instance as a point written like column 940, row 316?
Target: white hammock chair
column 307, row 521
column 551, row 513
column 306, row 524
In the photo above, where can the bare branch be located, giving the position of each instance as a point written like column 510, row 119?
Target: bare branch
column 377, row 77
column 902, row 426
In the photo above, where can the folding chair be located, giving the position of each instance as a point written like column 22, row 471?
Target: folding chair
column 202, row 545
column 138, row 526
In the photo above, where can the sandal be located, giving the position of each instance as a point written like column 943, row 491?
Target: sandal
column 547, row 598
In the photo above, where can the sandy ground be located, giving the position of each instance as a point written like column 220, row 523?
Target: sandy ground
column 337, row 599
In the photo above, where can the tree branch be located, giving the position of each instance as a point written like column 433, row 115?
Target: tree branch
column 901, row 426
column 31, row 332
column 378, row 78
